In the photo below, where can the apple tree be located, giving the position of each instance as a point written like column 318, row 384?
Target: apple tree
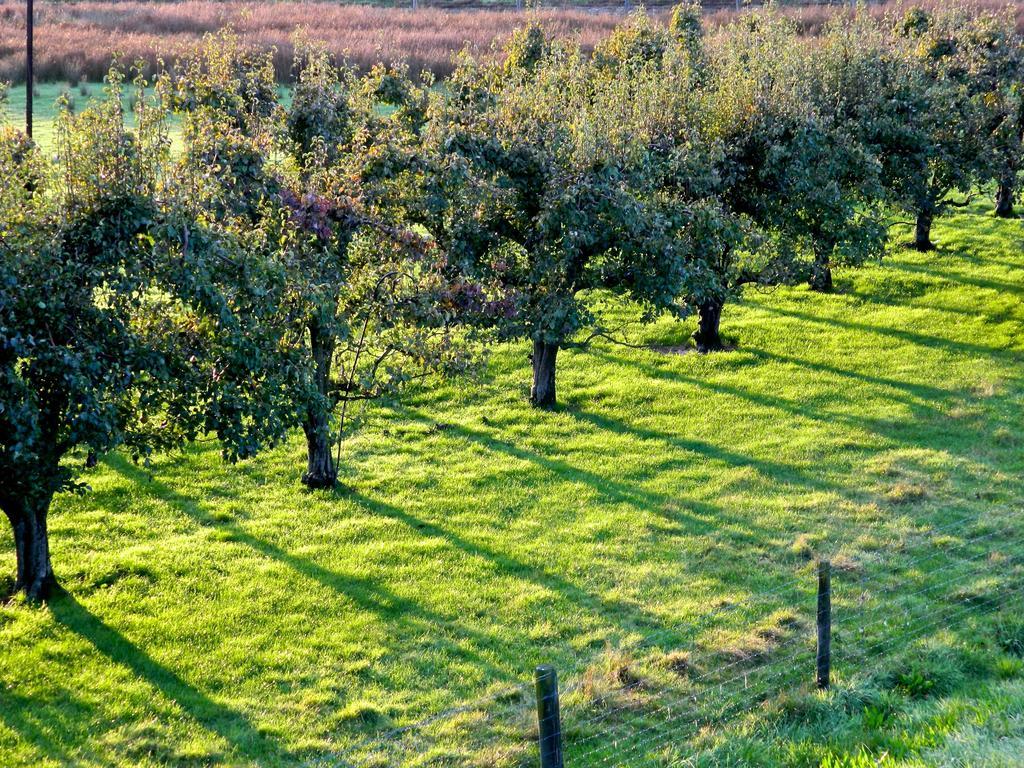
column 540, row 187
column 123, row 321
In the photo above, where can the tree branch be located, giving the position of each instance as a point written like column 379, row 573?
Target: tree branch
column 965, row 203
column 600, row 333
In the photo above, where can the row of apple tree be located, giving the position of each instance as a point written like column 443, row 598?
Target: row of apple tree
column 224, row 258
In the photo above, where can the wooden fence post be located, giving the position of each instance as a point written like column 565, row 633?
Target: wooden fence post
column 824, row 655
column 548, row 717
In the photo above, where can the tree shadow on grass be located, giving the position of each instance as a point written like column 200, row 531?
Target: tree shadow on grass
column 869, row 297
column 922, row 410
column 911, row 337
column 955, row 276
column 926, row 425
column 910, row 393
column 634, row 616
column 368, row 594
column 699, row 517
column 777, row 472
column 615, row 615
column 33, row 723
column 232, row 726
column 988, row 261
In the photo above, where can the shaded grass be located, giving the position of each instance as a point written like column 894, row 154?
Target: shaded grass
column 222, row 615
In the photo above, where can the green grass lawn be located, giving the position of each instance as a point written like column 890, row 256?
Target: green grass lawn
column 44, row 108
column 222, row 615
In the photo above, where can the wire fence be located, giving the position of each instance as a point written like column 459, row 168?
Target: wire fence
column 661, row 699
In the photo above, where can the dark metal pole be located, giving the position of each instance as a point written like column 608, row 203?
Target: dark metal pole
column 29, row 79
column 824, row 655
column 548, row 717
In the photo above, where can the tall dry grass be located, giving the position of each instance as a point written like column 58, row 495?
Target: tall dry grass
column 812, row 16
column 76, row 40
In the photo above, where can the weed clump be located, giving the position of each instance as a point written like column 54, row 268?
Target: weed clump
column 1010, row 636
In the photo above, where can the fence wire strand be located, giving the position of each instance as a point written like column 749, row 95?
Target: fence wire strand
column 606, row 722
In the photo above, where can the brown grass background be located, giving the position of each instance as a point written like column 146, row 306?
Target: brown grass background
column 76, row 40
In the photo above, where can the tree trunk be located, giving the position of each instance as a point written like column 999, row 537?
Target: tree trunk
column 709, row 317
column 542, row 394
column 923, row 230
column 1004, row 199
column 32, row 547
column 821, row 271
column 321, row 471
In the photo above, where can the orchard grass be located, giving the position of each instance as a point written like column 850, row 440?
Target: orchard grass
column 222, row 614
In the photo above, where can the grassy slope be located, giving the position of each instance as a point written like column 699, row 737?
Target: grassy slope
column 220, row 614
